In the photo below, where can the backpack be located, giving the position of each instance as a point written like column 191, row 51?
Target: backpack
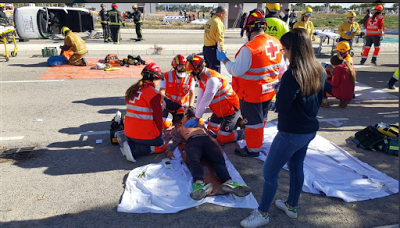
column 112, row 59
column 117, row 124
column 371, row 139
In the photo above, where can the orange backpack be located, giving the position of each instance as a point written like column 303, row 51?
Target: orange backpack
column 112, row 59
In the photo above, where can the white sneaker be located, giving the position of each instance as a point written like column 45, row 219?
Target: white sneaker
column 128, row 152
column 255, row 219
column 292, row 213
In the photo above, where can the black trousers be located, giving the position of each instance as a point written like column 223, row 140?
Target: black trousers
column 106, row 32
column 138, row 27
column 210, row 56
column 141, row 147
column 115, row 33
column 196, row 148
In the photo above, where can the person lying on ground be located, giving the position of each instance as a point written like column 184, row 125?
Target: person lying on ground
column 200, row 145
column 342, row 83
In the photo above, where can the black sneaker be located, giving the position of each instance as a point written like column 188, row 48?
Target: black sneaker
column 246, row 153
column 375, row 63
column 85, row 63
column 362, row 62
column 391, row 86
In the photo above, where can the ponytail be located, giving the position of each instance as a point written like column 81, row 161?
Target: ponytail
column 132, row 90
column 351, row 70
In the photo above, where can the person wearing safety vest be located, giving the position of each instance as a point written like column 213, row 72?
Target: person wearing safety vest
column 374, row 34
column 143, row 119
column 177, row 89
column 257, row 68
column 115, row 22
column 305, row 22
column 275, row 26
column 214, row 31
column 215, row 92
column 74, row 42
column 104, row 17
column 393, row 79
column 3, row 16
column 348, row 29
column 138, row 22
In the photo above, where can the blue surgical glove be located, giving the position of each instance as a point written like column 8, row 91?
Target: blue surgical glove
column 348, row 33
column 221, row 56
column 381, row 38
column 192, row 123
column 352, row 30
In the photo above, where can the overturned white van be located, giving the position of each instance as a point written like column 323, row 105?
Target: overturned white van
column 34, row 22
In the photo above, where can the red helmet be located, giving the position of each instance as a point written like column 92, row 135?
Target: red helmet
column 179, row 63
column 255, row 20
column 152, row 72
column 194, row 64
column 379, row 8
column 114, row 5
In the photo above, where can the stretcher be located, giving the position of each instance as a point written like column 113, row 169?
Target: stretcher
column 5, row 32
column 327, row 34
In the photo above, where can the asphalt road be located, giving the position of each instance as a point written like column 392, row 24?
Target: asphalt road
column 72, row 181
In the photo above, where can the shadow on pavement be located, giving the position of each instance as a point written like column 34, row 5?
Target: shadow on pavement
column 102, row 101
column 42, row 64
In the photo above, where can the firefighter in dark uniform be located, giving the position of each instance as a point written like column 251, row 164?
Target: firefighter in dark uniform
column 115, row 22
column 138, row 22
column 3, row 16
column 104, row 17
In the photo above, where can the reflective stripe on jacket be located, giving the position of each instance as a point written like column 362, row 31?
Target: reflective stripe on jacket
column 373, row 25
column 76, row 43
column 139, row 123
column 178, row 93
column 225, row 100
column 258, row 83
column 115, row 17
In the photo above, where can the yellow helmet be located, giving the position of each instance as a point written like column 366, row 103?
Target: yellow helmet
column 273, row 6
column 1, row 4
column 342, row 46
column 134, row 6
column 307, row 11
column 65, row 30
column 351, row 14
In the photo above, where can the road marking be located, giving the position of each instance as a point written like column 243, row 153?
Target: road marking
column 95, row 133
column 11, row 138
column 392, row 116
column 332, row 119
column 360, row 66
column 32, row 81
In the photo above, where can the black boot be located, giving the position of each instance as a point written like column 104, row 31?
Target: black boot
column 391, row 83
column 362, row 61
column 373, row 61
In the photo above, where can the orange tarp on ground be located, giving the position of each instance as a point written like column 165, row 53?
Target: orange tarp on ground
column 85, row 72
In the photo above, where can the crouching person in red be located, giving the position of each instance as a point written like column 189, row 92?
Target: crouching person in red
column 198, row 145
column 342, row 84
column 143, row 119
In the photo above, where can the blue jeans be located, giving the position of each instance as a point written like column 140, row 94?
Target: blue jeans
column 327, row 89
column 290, row 148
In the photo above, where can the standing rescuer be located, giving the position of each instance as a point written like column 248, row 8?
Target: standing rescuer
column 74, row 42
column 374, row 34
column 214, row 31
column 177, row 88
column 348, row 29
column 275, row 26
column 115, row 22
column 255, row 73
column 137, row 19
column 305, row 22
column 104, row 17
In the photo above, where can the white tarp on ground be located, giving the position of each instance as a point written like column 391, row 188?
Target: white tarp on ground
column 163, row 190
column 331, row 170
column 173, row 18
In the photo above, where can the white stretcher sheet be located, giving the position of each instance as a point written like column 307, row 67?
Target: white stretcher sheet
column 163, row 190
column 331, row 170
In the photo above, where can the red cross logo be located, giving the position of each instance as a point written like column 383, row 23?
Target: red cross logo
column 372, row 22
column 271, row 50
